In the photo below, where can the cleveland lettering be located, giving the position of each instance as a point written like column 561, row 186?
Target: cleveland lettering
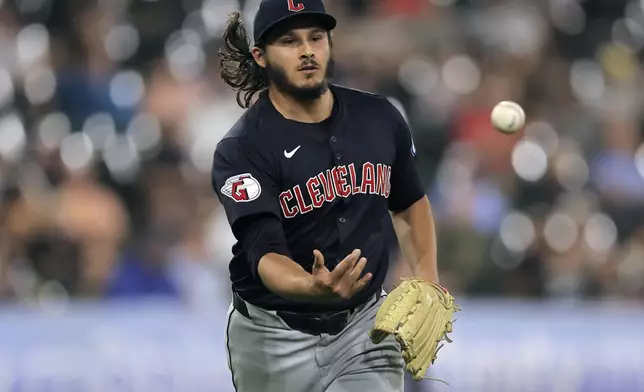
column 340, row 181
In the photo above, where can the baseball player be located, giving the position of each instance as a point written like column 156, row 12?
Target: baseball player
column 308, row 177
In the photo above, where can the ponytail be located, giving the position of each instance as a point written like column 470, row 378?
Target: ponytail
column 238, row 67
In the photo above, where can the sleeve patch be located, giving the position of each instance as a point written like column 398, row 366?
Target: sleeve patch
column 242, row 188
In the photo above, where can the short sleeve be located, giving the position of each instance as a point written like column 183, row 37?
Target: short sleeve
column 242, row 179
column 406, row 188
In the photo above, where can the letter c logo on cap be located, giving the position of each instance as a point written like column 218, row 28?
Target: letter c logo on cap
column 295, row 8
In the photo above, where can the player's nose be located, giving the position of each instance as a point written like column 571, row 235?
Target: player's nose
column 307, row 52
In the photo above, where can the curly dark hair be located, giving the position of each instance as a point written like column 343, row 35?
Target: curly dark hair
column 238, row 67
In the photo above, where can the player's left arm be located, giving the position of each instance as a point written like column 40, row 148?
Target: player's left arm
column 411, row 211
column 416, row 234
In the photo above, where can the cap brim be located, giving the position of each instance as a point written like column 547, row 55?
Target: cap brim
column 327, row 21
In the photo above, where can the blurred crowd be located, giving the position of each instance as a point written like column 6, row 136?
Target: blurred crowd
column 110, row 112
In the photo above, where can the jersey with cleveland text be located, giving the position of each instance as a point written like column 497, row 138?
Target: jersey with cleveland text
column 331, row 184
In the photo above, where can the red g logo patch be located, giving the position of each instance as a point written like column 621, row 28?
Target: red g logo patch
column 242, row 188
column 295, row 7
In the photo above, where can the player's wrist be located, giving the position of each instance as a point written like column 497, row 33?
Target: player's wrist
column 425, row 270
column 312, row 291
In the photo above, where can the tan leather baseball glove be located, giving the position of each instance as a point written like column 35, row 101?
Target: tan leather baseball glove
column 419, row 315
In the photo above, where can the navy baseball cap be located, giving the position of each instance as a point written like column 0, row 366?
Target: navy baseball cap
column 273, row 12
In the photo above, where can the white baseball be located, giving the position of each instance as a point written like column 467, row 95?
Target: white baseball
column 508, row 117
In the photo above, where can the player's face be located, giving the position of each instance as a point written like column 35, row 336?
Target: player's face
column 297, row 62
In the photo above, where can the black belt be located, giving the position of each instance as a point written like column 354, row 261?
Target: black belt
column 330, row 323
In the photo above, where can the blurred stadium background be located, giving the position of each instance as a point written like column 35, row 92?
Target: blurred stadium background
column 114, row 250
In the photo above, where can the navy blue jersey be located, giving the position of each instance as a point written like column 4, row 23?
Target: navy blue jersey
column 332, row 185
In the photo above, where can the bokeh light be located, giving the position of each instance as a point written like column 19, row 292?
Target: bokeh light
column 40, row 85
column 201, row 156
column 504, row 257
column 53, row 128
column 185, row 55
column 517, row 232
column 418, row 75
column 99, row 128
column 600, row 233
column 121, row 42
column 568, row 16
column 12, row 137
column 587, row 81
column 121, row 158
column 571, row 171
column 461, row 74
column 211, row 12
column 77, row 151
column 544, row 134
column 126, row 88
column 560, row 232
column 145, row 132
column 32, row 44
column 529, row 160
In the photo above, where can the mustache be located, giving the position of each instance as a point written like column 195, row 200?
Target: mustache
column 308, row 64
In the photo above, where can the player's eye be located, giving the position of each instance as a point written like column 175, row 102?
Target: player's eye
column 287, row 41
column 317, row 37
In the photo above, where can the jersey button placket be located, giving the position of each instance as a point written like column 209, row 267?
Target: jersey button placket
column 335, row 148
column 343, row 228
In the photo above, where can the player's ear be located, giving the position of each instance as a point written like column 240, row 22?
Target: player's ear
column 258, row 55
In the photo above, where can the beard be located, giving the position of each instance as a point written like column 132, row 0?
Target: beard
column 277, row 76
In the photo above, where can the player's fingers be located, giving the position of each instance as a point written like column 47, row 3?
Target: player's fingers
column 345, row 265
column 318, row 260
column 359, row 285
column 351, row 265
column 357, row 271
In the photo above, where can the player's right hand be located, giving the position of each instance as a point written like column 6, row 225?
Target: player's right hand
column 341, row 283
